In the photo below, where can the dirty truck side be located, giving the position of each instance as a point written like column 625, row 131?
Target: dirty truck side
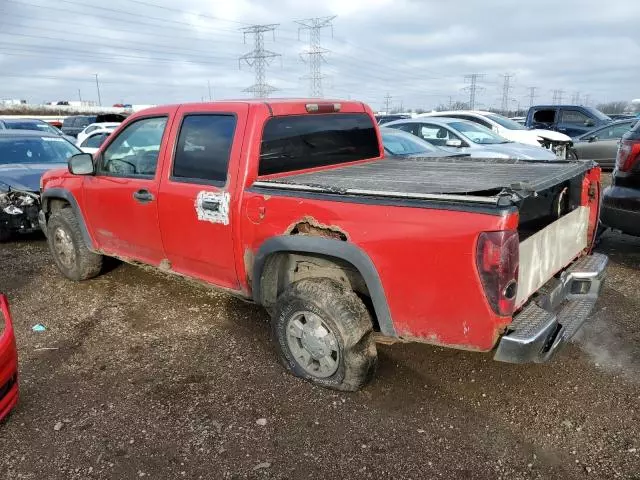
column 292, row 204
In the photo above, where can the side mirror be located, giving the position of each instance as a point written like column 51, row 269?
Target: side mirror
column 593, row 138
column 81, row 164
column 454, row 142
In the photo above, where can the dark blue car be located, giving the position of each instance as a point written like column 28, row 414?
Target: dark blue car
column 572, row 120
column 24, row 156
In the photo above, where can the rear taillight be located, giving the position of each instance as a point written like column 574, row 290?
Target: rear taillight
column 628, row 157
column 497, row 259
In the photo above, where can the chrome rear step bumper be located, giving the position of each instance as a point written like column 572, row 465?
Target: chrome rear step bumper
column 556, row 313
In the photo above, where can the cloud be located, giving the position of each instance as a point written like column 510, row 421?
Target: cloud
column 160, row 51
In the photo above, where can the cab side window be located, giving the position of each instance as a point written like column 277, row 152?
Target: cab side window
column 203, row 149
column 574, row 117
column 134, row 152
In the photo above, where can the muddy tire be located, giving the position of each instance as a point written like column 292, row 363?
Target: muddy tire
column 70, row 252
column 323, row 333
column 572, row 155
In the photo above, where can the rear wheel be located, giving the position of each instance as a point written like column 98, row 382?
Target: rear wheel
column 70, row 252
column 4, row 235
column 324, row 334
column 572, row 154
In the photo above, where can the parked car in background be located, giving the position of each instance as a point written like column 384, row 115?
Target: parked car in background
column 463, row 136
column 558, row 143
column 382, row 119
column 403, row 144
column 601, row 143
column 94, row 127
column 24, row 156
column 573, row 120
column 293, row 204
column 621, row 116
column 621, row 201
column 74, row 124
column 94, row 140
column 31, row 124
column 8, row 360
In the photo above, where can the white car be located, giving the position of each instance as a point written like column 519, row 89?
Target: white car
column 94, row 140
column 557, row 142
column 94, row 127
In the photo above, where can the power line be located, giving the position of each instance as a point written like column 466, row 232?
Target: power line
column 473, row 87
column 506, row 90
column 259, row 58
column 557, row 96
column 575, row 98
column 532, row 95
column 98, row 88
column 387, row 103
column 315, row 53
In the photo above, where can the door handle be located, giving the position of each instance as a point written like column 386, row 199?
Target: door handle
column 143, row 196
column 210, row 205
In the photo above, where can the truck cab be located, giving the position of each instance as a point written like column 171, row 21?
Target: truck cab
column 572, row 120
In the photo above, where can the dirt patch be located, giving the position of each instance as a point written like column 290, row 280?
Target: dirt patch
column 154, row 377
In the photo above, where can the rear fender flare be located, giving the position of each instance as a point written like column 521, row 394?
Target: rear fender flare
column 332, row 248
column 64, row 194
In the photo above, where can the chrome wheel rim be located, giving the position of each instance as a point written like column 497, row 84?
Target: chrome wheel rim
column 63, row 246
column 313, row 344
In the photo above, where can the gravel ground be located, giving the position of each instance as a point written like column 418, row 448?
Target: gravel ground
column 143, row 375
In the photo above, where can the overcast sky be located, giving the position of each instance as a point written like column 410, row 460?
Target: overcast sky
column 163, row 51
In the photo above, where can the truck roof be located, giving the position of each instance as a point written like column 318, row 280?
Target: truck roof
column 276, row 105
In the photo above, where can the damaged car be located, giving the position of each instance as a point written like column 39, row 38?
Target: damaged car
column 24, row 156
column 558, row 143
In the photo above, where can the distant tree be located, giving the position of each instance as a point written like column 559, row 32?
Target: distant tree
column 420, row 110
column 459, row 106
column 613, row 107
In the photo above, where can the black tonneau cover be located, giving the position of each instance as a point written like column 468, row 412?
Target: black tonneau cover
column 470, row 179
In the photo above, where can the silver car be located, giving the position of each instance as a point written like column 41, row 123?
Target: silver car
column 601, row 143
column 462, row 136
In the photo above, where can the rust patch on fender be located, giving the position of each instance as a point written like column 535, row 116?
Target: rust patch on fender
column 248, row 259
column 310, row 226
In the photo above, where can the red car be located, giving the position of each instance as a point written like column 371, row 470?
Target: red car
column 8, row 361
column 294, row 205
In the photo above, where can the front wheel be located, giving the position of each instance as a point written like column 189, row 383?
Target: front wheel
column 70, row 252
column 572, row 155
column 324, row 334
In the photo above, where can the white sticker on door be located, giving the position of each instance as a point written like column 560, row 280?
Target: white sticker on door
column 213, row 207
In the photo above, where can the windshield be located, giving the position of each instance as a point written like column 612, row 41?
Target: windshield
column 598, row 114
column 397, row 142
column 35, row 150
column 505, row 122
column 31, row 125
column 477, row 133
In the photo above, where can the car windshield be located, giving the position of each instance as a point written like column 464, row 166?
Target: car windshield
column 30, row 125
column 35, row 150
column 477, row 133
column 505, row 122
column 598, row 114
column 397, row 142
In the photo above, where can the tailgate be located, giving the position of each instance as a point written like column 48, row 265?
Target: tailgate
column 551, row 249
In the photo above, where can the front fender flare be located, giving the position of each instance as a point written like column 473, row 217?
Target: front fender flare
column 64, row 194
column 332, row 248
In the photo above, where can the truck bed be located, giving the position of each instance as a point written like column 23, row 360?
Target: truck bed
column 468, row 179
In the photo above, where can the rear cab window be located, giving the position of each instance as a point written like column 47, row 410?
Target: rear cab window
column 298, row 142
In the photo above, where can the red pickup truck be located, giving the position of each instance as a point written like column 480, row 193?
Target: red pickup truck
column 292, row 204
